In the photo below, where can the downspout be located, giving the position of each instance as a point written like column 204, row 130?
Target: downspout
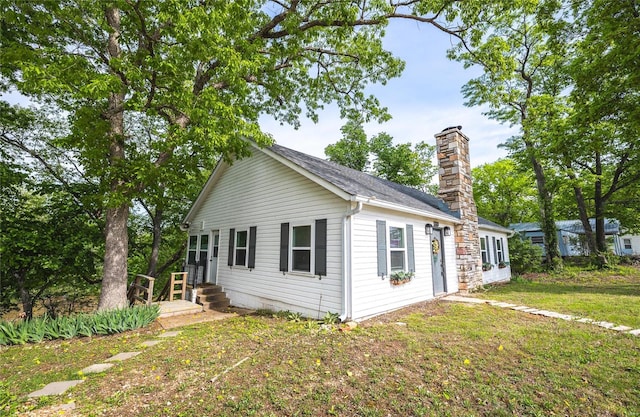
column 346, row 260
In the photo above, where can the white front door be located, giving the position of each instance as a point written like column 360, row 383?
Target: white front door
column 213, row 257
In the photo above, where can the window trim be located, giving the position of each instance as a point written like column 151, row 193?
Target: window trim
column 236, row 247
column 626, row 243
column 311, row 248
column 500, row 250
column 483, row 251
column 404, row 249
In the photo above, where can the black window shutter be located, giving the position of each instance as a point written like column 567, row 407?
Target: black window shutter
column 251, row 262
column 410, row 251
column 232, row 237
column 321, row 247
column 284, row 247
column 381, row 232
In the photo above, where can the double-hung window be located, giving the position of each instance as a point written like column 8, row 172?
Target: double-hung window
column 627, row 244
column 483, row 250
column 397, row 249
column 499, row 250
column 301, row 248
column 241, row 248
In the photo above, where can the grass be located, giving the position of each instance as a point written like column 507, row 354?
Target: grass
column 437, row 358
column 611, row 296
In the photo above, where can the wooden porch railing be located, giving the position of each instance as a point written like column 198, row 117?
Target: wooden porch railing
column 141, row 289
column 170, row 291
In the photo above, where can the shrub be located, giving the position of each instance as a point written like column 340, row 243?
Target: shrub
column 101, row 323
column 524, row 256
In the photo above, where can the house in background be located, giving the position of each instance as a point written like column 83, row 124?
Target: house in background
column 630, row 245
column 571, row 236
column 283, row 230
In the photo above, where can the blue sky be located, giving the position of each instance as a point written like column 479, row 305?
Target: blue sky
column 422, row 102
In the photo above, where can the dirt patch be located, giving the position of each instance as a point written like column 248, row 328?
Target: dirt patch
column 205, row 316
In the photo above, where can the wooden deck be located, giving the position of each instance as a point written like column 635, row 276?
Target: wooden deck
column 178, row 307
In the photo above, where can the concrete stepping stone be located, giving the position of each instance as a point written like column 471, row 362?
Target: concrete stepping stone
column 55, row 388
column 96, row 368
column 122, row 356
column 520, row 308
column 585, row 320
column 635, row 332
column 529, row 310
column 170, row 334
column 501, row 304
column 604, row 324
column 622, row 328
column 150, row 343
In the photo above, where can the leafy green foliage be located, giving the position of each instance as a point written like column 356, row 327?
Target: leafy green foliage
column 503, row 193
column 353, row 149
column 405, row 164
column 524, row 256
column 85, row 325
column 331, row 318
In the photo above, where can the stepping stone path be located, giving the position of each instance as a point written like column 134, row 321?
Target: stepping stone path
column 59, row 387
column 55, row 388
column 545, row 313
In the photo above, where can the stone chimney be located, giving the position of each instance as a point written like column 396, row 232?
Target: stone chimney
column 456, row 190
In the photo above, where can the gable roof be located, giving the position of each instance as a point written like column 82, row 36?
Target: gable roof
column 354, row 185
column 366, row 187
column 489, row 225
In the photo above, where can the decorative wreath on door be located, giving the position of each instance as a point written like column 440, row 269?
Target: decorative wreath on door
column 435, row 246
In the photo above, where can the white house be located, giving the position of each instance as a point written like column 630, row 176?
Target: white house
column 282, row 230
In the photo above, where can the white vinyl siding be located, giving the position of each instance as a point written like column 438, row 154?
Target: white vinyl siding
column 259, row 191
column 496, row 242
column 372, row 294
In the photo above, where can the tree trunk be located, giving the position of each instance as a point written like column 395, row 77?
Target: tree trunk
column 155, row 246
column 584, row 216
column 114, row 277
column 547, row 220
column 25, row 297
column 599, row 202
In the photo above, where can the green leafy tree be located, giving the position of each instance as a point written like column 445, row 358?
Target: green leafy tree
column 353, row 149
column 605, row 118
column 208, row 70
column 521, row 80
column 402, row 163
column 504, row 193
column 47, row 241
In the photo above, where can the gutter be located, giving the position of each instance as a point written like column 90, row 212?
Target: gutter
column 347, row 225
column 404, row 209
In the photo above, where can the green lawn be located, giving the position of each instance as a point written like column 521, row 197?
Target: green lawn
column 435, row 358
column 612, row 296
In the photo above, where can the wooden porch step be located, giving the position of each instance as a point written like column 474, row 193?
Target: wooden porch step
column 217, row 305
column 207, row 298
column 212, row 297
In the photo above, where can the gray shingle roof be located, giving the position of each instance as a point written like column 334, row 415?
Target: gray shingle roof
column 361, row 184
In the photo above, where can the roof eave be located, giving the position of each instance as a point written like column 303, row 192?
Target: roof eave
column 398, row 207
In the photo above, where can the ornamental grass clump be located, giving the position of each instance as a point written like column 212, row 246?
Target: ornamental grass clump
column 81, row 325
